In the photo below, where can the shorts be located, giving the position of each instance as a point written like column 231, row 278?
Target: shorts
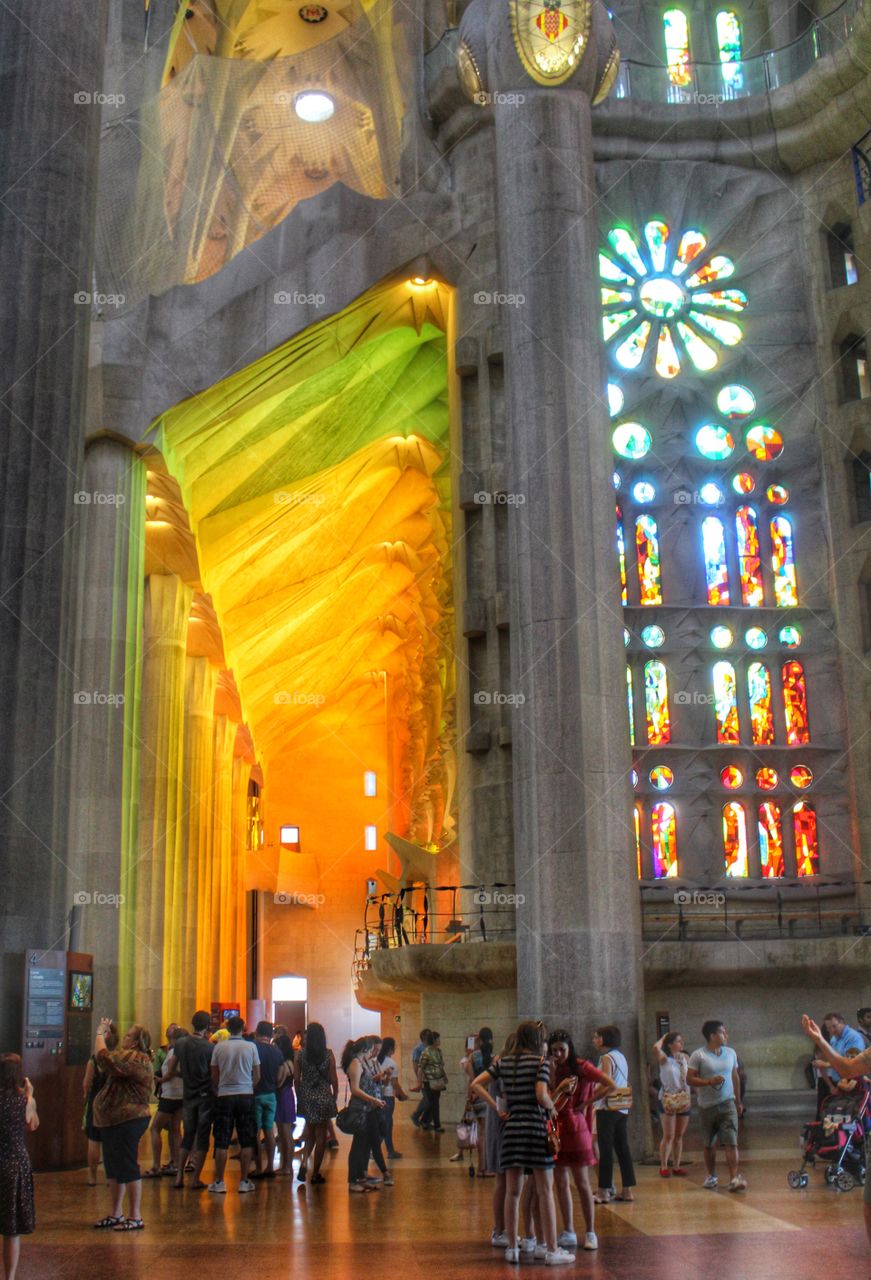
column 198, row 1114
column 720, row 1121
column 235, row 1112
column 169, row 1106
column 121, row 1149
column 264, row 1111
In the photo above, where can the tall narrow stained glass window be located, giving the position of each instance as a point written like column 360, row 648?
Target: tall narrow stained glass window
column 726, row 702
column 637, row 810
column 795, row 704
column 759, row 697
column 735, row 839
column 783, row 563
column 663, row 840
column 770, row 840
column 716, row 569
column 804, row 826
column 629, row 699
column 647, row 548
column 656, row 702
column 748, row 557
column 729, row 47
column 621, row 556
column 677, row 47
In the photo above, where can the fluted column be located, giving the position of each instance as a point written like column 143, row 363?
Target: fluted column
column 199, row 769
column 104, row 792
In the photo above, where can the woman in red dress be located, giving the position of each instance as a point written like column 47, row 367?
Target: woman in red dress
column 576, row 1085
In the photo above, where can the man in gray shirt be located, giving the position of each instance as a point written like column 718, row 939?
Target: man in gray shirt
column 713, row 1071
column 235, row 1072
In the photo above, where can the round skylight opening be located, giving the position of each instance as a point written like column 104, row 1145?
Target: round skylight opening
column 314, row 106
column 662, row 297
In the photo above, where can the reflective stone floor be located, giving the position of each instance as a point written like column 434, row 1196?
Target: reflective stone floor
column 436, row 1221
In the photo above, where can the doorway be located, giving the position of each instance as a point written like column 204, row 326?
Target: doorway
column 290, row 1002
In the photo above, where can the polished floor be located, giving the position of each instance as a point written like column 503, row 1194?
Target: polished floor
column 436, row 1221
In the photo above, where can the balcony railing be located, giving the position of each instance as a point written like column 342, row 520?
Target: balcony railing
column 708, row 83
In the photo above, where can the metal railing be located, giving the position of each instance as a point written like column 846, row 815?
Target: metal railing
column 707, row 83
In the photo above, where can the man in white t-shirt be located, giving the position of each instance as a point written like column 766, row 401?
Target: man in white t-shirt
column 235, row 1071
column 713, row 1071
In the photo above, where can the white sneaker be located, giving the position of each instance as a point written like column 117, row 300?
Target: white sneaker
column 559, row 1258
column 591, row 1240
column 540, row 1252
column 512, row 1255
column 711, row 1182
column 246, row 1185
column 738, row 1183
column 568, row 1240
column 217, row 1188
column 527, row 1244
column 499, row 1239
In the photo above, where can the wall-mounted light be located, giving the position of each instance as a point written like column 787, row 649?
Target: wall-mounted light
column 290, row 838
column 370, row 783
column 371, row 839
column 314, row 106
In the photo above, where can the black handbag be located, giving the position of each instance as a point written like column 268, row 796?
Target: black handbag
column 351, row 1120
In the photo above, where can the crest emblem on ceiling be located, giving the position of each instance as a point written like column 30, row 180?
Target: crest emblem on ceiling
column 550, row 36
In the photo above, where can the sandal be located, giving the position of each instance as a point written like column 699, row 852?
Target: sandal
column 151, row 1173
column 105, row 1223
column 130, row 1224
column 624, row 1199
column 168, row 1171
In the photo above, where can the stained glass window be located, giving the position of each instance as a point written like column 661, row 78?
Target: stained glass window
column 631, row 440
column 725, row 702
column 759, row 695
column 783, row 562
column 663, row 840
column 789, row 636
column 731, row 776
column 653, row 637
column 748, row 557
column 716, row 570
column 656, row 702
column 729, row 43
column 735, row 839
column 735, row 401
column 721, row 637
column 755, row 638
column 795, row 704
column 615, row 399
column 714, row 442
column 770, row 840
column 643, row 492
column 638, row 838
column 630, row 701
column 777, row 495
column 804, row 826
column 621, row 556
column 801, row 776
column 766, row 778
column 661, row 777
column 677, row 47
column 647, row 548
column 764, row 442
column 711, row 495
column 743, row 483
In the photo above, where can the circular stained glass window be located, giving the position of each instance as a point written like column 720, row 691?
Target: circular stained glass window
column 616, row 479
column 766, row 778
column 743, row 483
column 661, row 777
column 777, row 494
column 711, row 494
column 764, row 442
column 653, row 636
column 714, row 442
column 736, row 402
column 800, row 776
column 755, row 638
column 626, row 636
column 721, row 637
column 790, row 636
column 662, row 297
column 631, row 440
column 731, row 776
column 615, row 399
column 634, row 778
column 643, row 492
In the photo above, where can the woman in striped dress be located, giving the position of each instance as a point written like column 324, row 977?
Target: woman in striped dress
column 525, row 1075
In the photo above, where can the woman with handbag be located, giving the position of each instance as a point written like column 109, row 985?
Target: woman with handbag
column 612, row 1119
column 434, row 1080
column 317, row 1087
column 360, row 1117
column 674, row 1102
column 575, row 1085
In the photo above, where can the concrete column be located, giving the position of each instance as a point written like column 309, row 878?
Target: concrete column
column 48, row 157
column 578, row 924
column 104, row 796
column 199, row 767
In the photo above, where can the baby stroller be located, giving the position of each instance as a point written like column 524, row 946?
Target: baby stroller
column 837, row 1139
